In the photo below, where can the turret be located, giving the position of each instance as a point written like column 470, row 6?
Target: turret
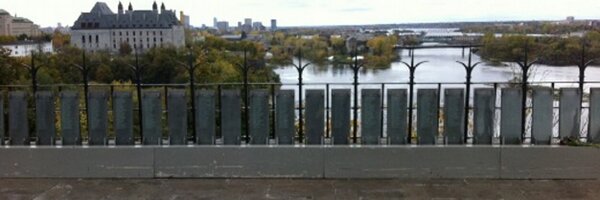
column 130, row 9
column 162, row 7
column 120, row 8
column 155, row 7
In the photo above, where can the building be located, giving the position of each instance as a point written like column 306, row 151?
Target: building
column 223, row 26
column 5, row 22
column 570, row 20
column 24, row 26
column 184, row 20
column 101, row 29
column 24, row 48
column 258, row 26
column 16, row 26
column 273, row 25
column 248, row 21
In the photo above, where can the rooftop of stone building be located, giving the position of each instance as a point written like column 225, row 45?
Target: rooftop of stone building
column 4, row 12
column 21, row 20
column 102, row 17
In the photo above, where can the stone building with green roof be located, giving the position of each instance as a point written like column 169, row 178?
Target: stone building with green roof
column 15, row 26
column 102, row 29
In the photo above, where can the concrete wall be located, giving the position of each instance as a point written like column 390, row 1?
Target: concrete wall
column 437, row 162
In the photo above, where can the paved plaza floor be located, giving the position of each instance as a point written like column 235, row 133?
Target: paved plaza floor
column 296, row 189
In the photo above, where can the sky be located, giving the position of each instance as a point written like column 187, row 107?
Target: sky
column 322, row 12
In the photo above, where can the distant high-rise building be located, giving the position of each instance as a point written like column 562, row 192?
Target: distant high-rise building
column 258, row 26
column 248, row 21
column 273, row 24
column 184, row 19
column 223, row 26
column 239, row 25
column 215, row 22
column 570, row 19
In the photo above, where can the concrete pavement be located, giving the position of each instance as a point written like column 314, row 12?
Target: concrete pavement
column 296, row 189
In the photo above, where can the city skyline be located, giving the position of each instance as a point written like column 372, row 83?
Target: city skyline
column 317, row 13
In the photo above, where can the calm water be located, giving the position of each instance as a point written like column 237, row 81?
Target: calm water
column 441, row 67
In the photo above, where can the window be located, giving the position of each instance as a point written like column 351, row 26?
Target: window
column 127, row 40
column 161, row 40
column 153, row 32
column 82, row 25
column 141, row 33
column 160, row 32
column 83, row 39
column 113, row 33
column 147, row 39
column 96, row 25
column 114, row 46
column 134, row 40
column 120, row 33
column 90, row 38
column 154, row 39
column 97, row 39
column 133, row 33
column 127, row 33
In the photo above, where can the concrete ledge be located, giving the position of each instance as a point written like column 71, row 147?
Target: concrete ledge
column 550, row 162
column 429, row 162
column 412, row 162
column 239, row 162
column 76, row 162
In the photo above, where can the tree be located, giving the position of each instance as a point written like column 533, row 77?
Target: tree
column 382, row 51
column 59, row 40
column 10, row 71
column 125, row 49
column 22, row 37
column 338, row 45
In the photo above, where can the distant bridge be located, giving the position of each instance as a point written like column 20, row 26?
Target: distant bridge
column 412, row 48
column 441, row 46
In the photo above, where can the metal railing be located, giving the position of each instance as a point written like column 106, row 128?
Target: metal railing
column 300, row 104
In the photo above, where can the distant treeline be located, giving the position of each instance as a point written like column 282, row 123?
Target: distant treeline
column 557, row 51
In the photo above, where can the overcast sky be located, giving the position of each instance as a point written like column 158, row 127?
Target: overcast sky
column 323, row 12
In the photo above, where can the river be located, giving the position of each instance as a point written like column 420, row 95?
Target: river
column 441, row 67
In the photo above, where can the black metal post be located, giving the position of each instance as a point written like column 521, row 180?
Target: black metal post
column 300, row 68
column 245, row 71
column 137, row 70
column 469, row 66
column 582, row 65
column 191, row 68
column 33, row 70
column 525, row 67
column 85, row 75
column 355, row 69
column 412, row 67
